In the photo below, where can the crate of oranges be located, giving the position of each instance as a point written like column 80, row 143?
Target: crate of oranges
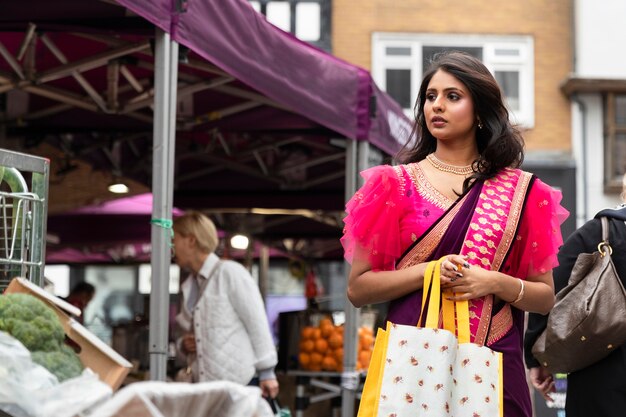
column 321, row 346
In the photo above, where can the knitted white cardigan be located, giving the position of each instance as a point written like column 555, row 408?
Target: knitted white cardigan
column 233, row 338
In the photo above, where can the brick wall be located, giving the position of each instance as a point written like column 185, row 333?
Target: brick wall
column 548, row 22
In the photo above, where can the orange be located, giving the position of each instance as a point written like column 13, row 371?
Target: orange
column 366, row 341
column 329, row 363
column 316, row 359
column 338, row 354
column 335, row 340
column 364, row 357
column 307, row 346
column 321, row 346
column 325, row 322
column 316, row 333
column 327, row 330
column 305, row 360
column 306, row 332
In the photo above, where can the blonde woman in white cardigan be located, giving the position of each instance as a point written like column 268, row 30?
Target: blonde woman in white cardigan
column 227, row 333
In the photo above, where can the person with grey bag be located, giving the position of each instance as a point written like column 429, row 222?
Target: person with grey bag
column 596, row 386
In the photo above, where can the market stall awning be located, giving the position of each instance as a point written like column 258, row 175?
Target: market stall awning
column 261, row 121
column 334, row 93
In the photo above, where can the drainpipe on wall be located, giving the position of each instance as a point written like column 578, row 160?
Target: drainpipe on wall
column 583, row 115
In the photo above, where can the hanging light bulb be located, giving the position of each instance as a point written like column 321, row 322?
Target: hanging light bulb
column 118, row 187
column 239, row 241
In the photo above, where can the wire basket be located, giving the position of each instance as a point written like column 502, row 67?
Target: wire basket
column 23, row 213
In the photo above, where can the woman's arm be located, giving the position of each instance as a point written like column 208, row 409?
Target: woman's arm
column 368, row 287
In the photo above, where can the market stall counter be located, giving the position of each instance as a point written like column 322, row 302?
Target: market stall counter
column 312, row 351
column 313, row 387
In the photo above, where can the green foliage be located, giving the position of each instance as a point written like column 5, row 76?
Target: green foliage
column 35, row 324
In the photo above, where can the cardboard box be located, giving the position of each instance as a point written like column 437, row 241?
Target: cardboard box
column 96, row 355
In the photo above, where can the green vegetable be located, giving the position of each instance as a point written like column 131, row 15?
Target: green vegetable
column 33, row 323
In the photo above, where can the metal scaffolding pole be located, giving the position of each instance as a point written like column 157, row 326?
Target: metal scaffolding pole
column 165, row 73
column 350, row 377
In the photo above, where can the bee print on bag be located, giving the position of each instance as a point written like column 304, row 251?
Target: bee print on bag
column 438, row 387
column 443, row 348
column 414, row 361
column 465, row 362
column 408, row 397
column 478, row 379
column 463, row 400
column 397, row 380
column 403, row 343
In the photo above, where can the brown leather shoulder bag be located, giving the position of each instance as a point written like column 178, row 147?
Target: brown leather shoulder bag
column 588, row 319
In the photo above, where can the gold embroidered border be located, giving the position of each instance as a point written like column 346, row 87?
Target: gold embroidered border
column 425, row 188
column 505, row 178
column 500, row 325
column 420, row 252
column 513, row 219
column 401, row 179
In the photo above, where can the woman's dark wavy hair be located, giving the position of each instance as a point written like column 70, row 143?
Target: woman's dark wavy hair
column 500, row 144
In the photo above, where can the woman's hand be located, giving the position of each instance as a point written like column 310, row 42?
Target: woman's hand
column 465, row 281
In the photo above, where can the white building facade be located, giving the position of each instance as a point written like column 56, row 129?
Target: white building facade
column 597, row 90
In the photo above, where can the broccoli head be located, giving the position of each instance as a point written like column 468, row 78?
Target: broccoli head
column 63, row 363
column 35, row 324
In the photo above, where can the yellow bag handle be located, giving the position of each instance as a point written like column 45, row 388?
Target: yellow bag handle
column 455, row 313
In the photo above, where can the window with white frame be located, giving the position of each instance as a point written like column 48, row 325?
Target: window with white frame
column 309, row 20
column 615, row 141
column 399, row 60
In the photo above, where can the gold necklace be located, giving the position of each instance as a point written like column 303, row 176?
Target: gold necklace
column 453, row 169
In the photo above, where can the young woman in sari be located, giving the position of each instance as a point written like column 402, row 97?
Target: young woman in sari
column 459, row 193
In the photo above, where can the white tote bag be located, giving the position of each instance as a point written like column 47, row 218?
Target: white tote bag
column 426, row 371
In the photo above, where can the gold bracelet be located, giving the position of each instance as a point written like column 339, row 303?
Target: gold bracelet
column 521, row 292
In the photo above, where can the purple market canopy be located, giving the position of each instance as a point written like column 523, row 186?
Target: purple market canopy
column 123, row 230
column 261, row 115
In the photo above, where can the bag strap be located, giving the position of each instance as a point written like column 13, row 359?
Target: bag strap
column 455, row 313
column 205, row 282
column 604, row 247
column 432, row 286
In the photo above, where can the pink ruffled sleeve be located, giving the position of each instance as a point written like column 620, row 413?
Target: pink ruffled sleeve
column 372, row 223
column 540, row 232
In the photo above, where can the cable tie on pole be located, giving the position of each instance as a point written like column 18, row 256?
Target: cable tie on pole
column 165, row 224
